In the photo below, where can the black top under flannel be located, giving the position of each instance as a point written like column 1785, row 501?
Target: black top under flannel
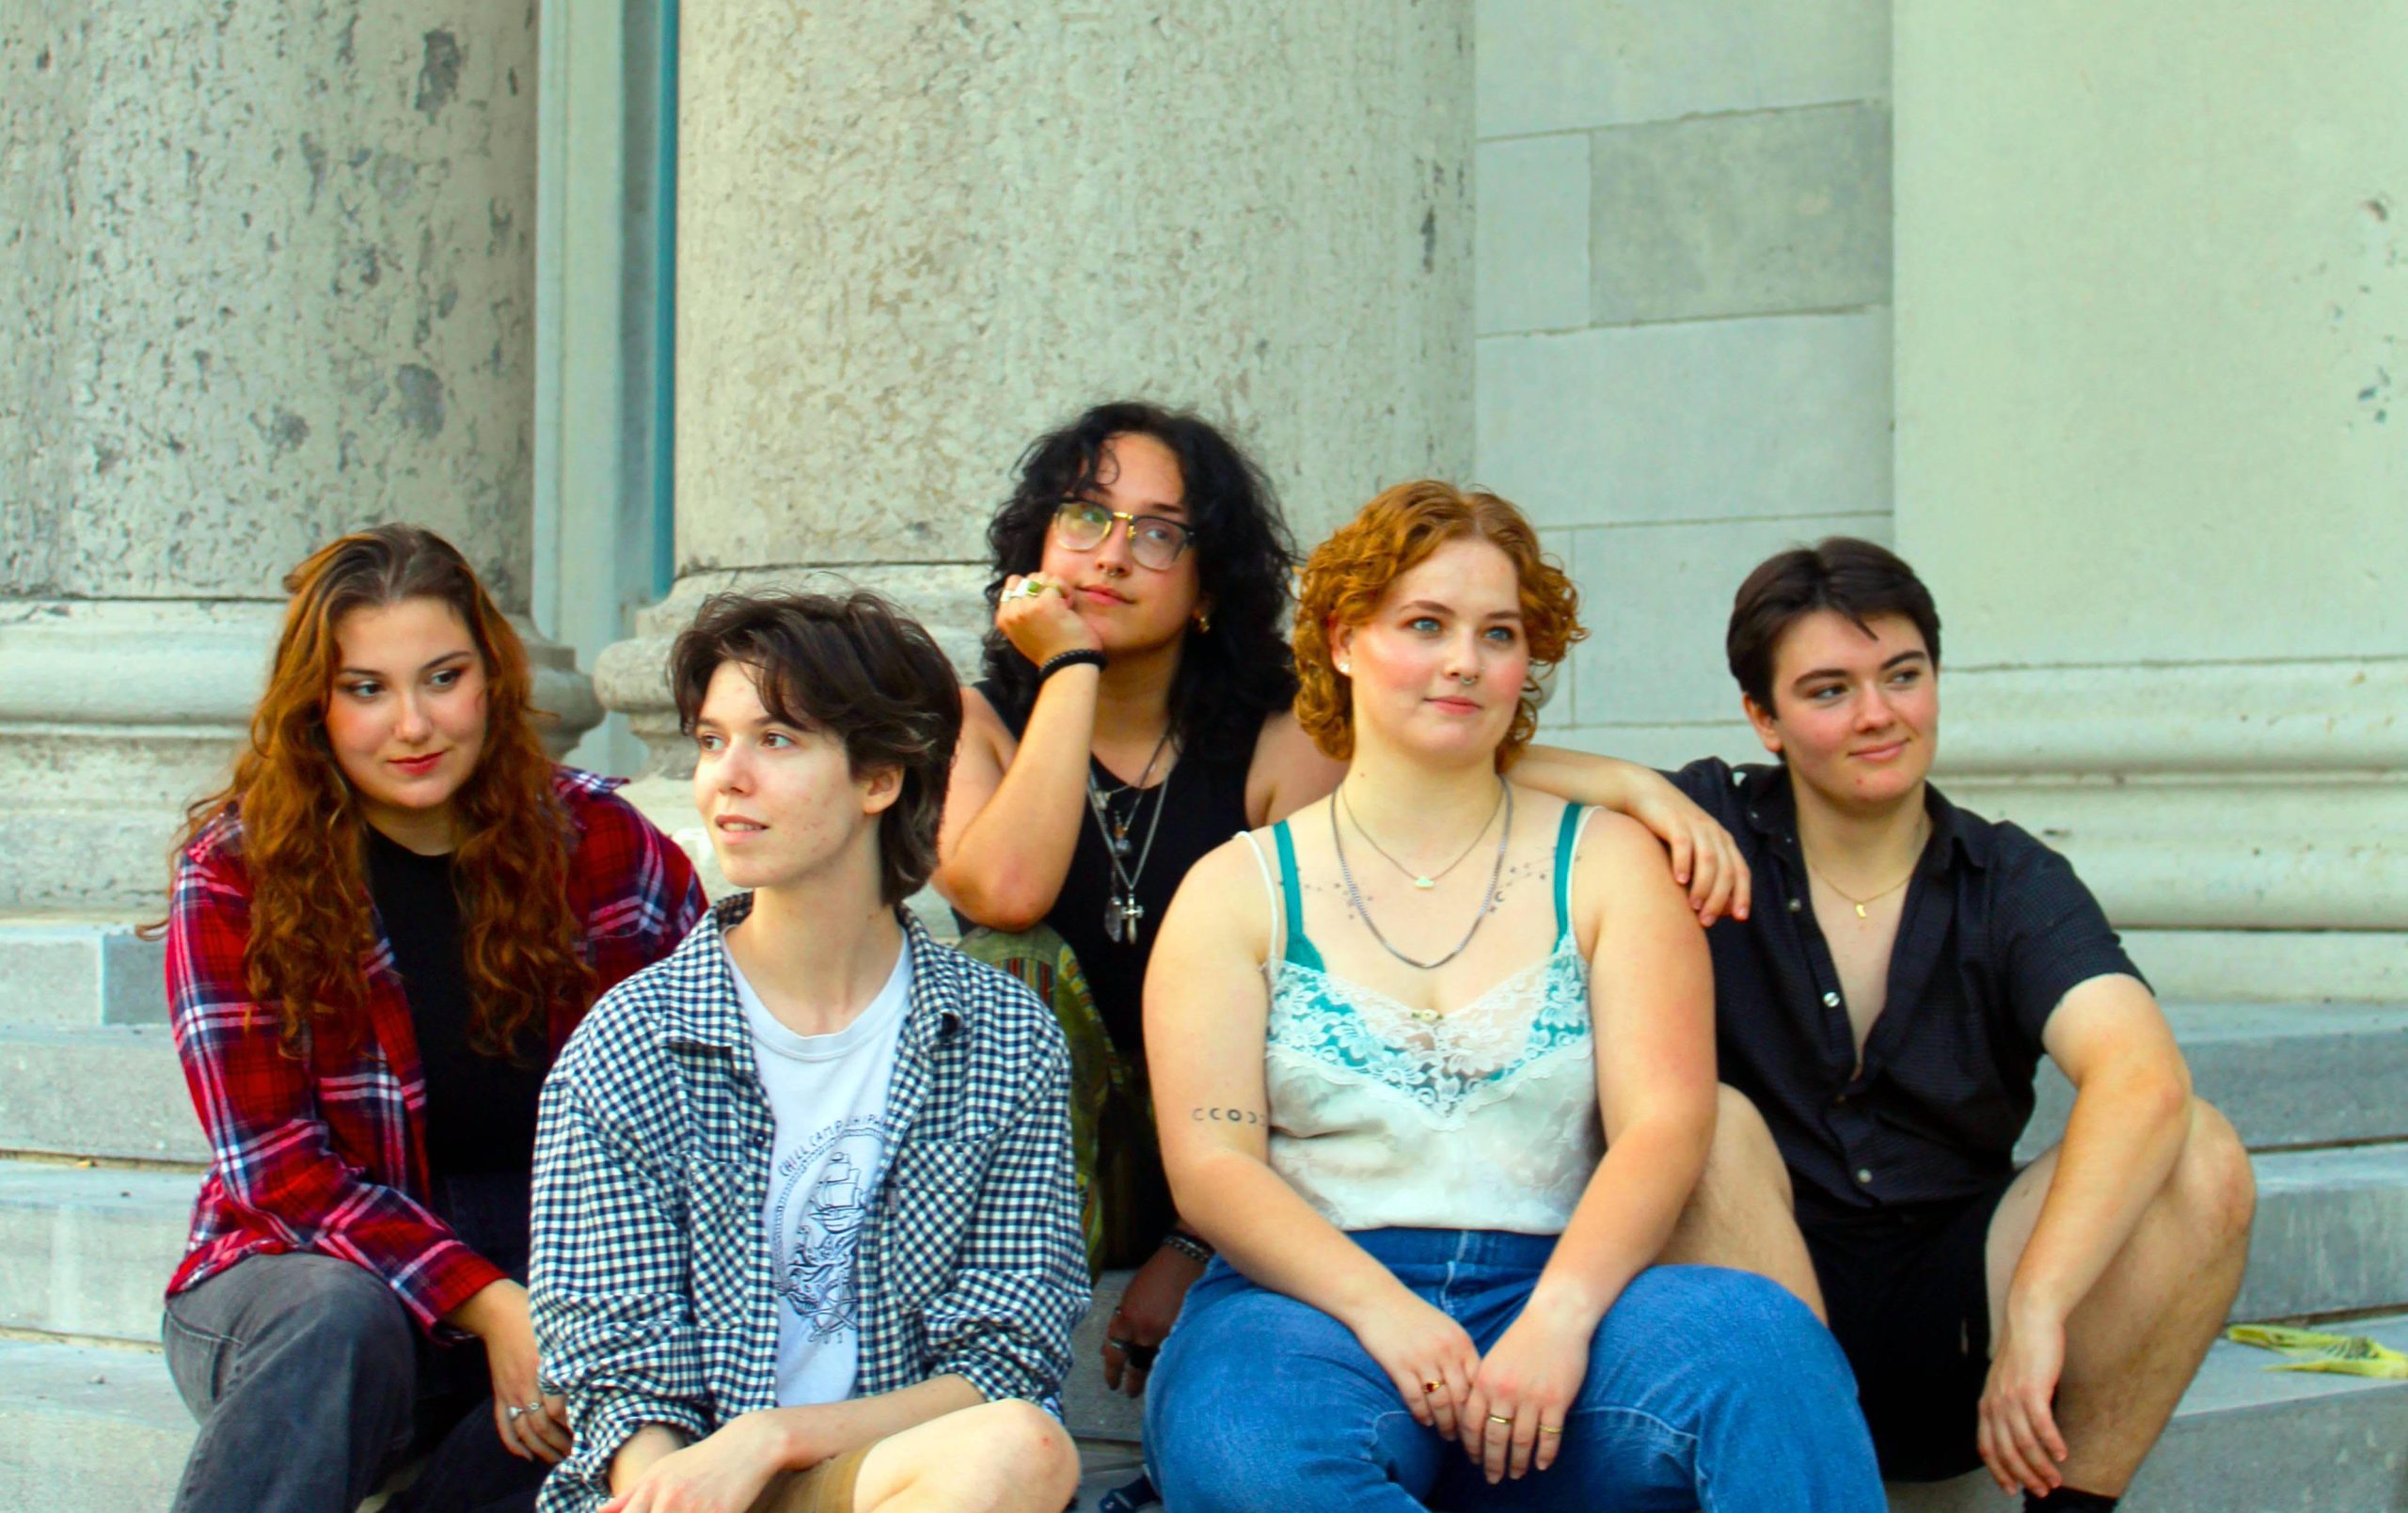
column 1995, row 930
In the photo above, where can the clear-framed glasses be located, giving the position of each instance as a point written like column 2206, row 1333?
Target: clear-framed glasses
column 1083, row 525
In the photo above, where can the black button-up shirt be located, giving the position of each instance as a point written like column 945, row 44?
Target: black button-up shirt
column 1995, row 931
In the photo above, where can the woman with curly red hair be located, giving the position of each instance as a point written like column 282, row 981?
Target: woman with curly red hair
column 1433, row 1062
column 381, row 931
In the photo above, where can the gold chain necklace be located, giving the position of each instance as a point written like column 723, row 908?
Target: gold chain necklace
column 1922, row 834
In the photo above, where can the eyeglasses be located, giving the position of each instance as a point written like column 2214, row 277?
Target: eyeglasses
column 1083, row 525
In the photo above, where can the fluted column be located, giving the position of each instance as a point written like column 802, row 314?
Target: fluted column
column 2152, row 285
column 268, row 277
column 911, row 236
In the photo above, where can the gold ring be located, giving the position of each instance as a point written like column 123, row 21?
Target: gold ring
column 1550, row 1428
column 1501, row 1418
column 1429, row 1387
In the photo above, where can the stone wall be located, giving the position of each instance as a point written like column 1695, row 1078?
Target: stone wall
column 1683, row 306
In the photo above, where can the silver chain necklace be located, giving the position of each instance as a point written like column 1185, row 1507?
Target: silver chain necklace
column 1121, row 910
column 1421, row 880
column 1487, row 899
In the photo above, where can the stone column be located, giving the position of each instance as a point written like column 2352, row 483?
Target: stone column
column 268, row 277
column 2152, row 293
column 913, row 236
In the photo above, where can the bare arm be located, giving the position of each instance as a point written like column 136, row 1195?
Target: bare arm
column 1651, row 1008
column 1013, row 811
column 2131, row 1113
column 1205, row 1010
column 655, row 1470
column 1705, row 859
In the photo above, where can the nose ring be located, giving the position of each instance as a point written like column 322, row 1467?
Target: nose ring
column 1467, row 679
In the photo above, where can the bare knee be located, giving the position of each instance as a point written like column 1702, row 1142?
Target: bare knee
column 1017, row 1452
column 2213, row 1179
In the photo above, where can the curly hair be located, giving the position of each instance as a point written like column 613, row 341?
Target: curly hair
column 302, row 835
column 1389, row 537
column 1231, row 678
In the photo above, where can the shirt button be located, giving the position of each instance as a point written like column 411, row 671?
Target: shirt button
column 1864, row 1176
column 1795, row 906
column 1830, row 1001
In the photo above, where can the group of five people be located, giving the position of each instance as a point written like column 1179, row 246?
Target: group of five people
column 1484, row 1124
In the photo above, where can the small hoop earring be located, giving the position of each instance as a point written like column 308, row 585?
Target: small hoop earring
column 1203, row 622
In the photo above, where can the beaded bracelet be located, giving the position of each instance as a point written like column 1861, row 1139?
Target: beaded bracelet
column 1195, row 1249
column 1084, row 657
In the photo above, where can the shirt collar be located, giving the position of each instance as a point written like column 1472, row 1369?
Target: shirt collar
column 1771, row 809
column 707, row 1012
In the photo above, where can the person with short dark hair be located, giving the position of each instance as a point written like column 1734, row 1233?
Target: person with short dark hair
column 1884, row 1011
column 806, row 1234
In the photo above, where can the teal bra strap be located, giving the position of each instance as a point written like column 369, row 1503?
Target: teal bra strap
column 1300, row 950
column 1565, row 834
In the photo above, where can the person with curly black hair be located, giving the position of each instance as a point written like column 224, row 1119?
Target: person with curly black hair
column 1133, row 715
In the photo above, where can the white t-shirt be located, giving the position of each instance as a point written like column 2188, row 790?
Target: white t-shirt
column 827, row 1094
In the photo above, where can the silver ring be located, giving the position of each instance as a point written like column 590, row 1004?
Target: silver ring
column 515, row 1411
column 536, row 1407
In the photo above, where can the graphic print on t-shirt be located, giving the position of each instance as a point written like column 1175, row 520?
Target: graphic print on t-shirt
column 822, row 1196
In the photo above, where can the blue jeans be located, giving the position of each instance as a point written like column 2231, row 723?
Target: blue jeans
column 1706, row 1388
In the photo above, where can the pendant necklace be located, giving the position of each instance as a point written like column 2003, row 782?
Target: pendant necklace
column 1488, row 898
column 1122, row 913
column 1419, row 880
column 1872, row 898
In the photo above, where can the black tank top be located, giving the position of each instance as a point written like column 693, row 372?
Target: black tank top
column 1203, row 804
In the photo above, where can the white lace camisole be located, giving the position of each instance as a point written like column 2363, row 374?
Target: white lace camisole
column 1482, row 1118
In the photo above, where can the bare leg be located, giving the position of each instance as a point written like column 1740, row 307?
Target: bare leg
column 1003, row 1456
column 2134, row 1343
column 1740, row 1215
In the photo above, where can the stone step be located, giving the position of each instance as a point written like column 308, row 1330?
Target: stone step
column 91, row 1429
column 2330, row 1233
column 2247, row 1439
column 66, row 973
column 114, row 1090
column 2285, row 1075
column 88, row 1250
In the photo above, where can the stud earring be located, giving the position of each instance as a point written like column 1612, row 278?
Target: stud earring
column 1203, row 622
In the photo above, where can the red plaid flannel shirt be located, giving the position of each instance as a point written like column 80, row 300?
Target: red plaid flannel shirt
column 326, row 1152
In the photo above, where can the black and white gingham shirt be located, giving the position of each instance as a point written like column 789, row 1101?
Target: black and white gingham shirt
column 1995, row 930
column 652, row 1292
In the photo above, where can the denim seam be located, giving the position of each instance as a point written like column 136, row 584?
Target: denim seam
column 1687, row 1442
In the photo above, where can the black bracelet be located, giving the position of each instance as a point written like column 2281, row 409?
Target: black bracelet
column 1084, row 657
column 1195, row 1249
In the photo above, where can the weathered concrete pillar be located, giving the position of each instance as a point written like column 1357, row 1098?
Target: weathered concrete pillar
column 910, row 236
column 267, row 277
column 2150, row 314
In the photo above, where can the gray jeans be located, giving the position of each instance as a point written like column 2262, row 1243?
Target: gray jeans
column 311, row 1384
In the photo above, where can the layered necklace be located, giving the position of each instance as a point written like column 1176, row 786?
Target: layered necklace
column 1487, row 897
column 1121, row 910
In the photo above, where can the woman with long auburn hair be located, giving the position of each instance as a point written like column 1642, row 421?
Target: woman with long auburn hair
column 382, row 930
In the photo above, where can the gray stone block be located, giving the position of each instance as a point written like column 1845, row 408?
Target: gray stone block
column 84, row 1430
column 65, row 974
column 1530, row 234
column 2286, row 1075
column 1704, row 420
column 1546, row 65
column 1754, row 214
column 2331, row 1232
column 88, row 1250
column 113, row 1092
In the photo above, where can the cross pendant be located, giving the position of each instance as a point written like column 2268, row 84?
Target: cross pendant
column 1131, row 912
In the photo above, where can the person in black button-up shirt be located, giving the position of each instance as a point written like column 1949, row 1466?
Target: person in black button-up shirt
column 1903, row 969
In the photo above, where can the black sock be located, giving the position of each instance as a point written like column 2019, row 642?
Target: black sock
column 2069, row 1500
